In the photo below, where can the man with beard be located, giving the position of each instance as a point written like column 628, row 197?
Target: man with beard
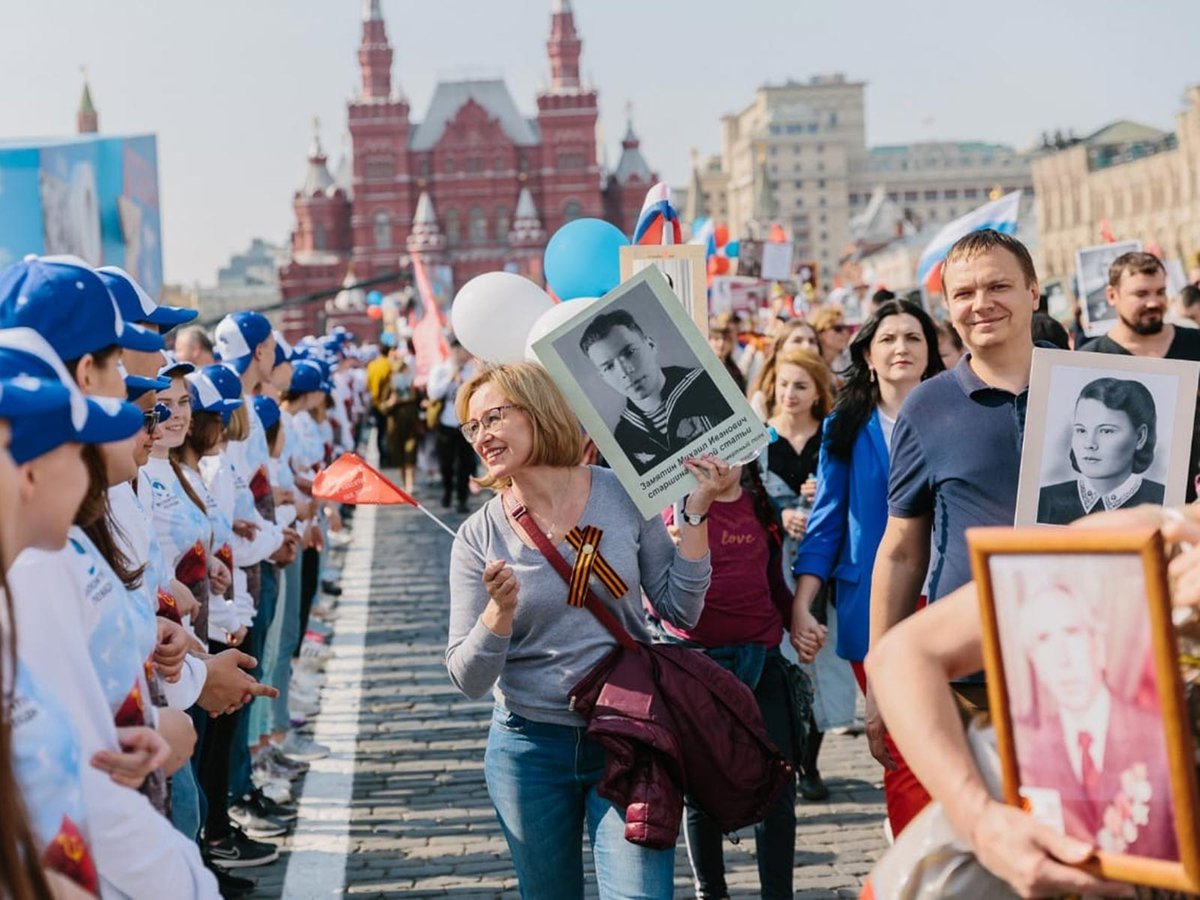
column 1137, row 289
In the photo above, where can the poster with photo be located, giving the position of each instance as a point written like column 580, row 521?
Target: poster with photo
column 1104, row 432
column 683, row 267
column 649, row 390
column 1091, row 279
column 777, row 261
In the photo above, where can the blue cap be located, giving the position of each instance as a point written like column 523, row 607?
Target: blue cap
column 137, row 306
column 306, row 376
column 164, row 412
column 206, row 396
column 267, row 409
column 238, row 335
column 225, row 379
column 174, row 368
column 136, row 385
column 284, row 352
column 26, row 357
column 63, row 300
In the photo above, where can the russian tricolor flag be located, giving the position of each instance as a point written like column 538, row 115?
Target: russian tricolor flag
column 656, row 215
column 1000, row 215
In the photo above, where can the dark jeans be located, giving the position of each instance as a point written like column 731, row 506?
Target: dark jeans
column 775, row 835
column 381, row 436
column 457, row 462
column 310, row 575
column 213, row 769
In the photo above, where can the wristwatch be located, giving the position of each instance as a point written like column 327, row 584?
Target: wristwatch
column 692, row 518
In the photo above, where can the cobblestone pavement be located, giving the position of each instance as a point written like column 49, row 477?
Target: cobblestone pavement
column 400, row 808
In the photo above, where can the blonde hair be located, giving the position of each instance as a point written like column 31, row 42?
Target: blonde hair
column 817, row 370
column 238, row 426
column 825, row 318
column 764, row 382
column 557, row 437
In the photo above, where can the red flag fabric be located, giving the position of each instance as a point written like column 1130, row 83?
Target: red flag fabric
column 1106, row 234
column 428, row 337
column 351, row 479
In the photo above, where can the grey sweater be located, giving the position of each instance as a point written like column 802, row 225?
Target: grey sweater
column 553, row 645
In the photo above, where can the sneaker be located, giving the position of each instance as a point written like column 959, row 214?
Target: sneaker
column 230, row 885
column 237, row 851
column 333, row 590
column 812, row 786
column 302, row 748
column 339, row 538
column 260, row 803
column 307, row 680
column 321, row 627
column 304, row 708
column 256, row 824
column 285, row 762
column 275, row 791
column 269, row 770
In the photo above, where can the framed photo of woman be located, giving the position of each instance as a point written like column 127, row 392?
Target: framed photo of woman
column 1104, row 432
column 1085, row 693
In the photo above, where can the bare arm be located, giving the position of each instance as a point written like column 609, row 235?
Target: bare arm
column 899, row 573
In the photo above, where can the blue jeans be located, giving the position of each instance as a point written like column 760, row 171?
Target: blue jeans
column 240, row 782
column 185, row 802
column 542, row 780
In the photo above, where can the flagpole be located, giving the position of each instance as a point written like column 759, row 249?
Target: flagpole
column 450, row 531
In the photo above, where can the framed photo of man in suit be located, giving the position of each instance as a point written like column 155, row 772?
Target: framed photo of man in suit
column 648, row 389
column 1086, row 696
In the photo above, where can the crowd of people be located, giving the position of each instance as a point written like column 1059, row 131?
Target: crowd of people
column 890, row 437
column 167, row 595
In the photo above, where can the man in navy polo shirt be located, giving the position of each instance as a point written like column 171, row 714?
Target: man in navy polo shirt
column 955, row 456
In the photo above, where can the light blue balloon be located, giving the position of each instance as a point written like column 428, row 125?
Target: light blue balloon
column 374, row 298
column 388, row 339
column 731, row 249
column 583, row 259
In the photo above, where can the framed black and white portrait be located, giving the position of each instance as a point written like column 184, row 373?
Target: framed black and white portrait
column 1104, row 432
column 648, row 389
column 1091, row 272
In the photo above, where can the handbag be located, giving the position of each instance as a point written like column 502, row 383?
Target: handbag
column 725, row 760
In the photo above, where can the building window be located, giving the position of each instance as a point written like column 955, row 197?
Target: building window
column 833, row 118
column 824, row 235
column 320, row 238
column 953, row 212
column 378, row 168
column 453, row 231
column 910, row 196
column 477, row 225
column 821, row 182
column 572, row 211
column 450, row 163
column 820, row 148
column 951, row 194
column 812, row 127
column 799, row 183
column 573, row 160
column 893, row 196
column 383, row 231
column 474, row 165
column 820, row 167
column 822, row 218
column 970, row 194
column 522, row 163
column 774, row 150
column 931, row 195
column 502, row 223
column 425, row 167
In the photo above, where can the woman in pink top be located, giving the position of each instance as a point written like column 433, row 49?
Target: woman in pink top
column 746, row 609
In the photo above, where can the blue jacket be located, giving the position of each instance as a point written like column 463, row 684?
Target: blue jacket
column 847, row 522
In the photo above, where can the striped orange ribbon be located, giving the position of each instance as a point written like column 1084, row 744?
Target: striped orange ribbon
column 586, row 544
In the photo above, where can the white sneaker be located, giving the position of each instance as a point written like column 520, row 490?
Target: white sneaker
column 298, row 708
column 301, row 748
column 276, row 791
column 308, row 665
column 339, row 538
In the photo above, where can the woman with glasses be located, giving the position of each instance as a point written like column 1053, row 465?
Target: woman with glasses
column 834, row 336
column 513, row 633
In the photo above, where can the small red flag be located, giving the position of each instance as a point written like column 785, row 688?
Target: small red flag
column 351, row 479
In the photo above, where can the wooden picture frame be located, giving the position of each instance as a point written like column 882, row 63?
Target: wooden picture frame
column 684, row 268
column 1072, row 389
column 1105, row 593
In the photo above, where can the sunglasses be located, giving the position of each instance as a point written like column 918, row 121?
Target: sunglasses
column 150, row 421
column 839, row 328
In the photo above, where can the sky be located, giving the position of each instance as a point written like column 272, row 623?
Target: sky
column 231, row 87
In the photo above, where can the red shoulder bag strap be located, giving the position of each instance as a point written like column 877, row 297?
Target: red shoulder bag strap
column 592, row 603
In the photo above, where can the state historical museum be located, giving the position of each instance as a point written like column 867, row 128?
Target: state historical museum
column 474, row 185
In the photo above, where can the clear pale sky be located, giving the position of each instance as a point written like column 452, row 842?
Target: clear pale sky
column 231, row 86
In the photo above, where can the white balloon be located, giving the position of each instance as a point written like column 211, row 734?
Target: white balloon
column 551, row 319
column 493, row 313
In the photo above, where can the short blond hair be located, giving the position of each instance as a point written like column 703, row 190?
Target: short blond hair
column 557, row 437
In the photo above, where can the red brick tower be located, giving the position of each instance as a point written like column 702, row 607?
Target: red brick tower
column 625, row 190
column 567, row 115
column 382, row 192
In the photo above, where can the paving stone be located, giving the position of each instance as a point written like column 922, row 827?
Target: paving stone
column 419, row 820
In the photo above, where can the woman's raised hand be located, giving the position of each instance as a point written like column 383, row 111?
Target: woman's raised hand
column 715, row 477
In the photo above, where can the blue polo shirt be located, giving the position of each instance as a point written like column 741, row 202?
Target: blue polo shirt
column 956, row 456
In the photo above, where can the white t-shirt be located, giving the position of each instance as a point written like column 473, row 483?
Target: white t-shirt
column 137, row 851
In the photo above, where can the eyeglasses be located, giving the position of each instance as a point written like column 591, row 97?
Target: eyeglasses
column 485, row 424
column 839, row 327
column 150, row 421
